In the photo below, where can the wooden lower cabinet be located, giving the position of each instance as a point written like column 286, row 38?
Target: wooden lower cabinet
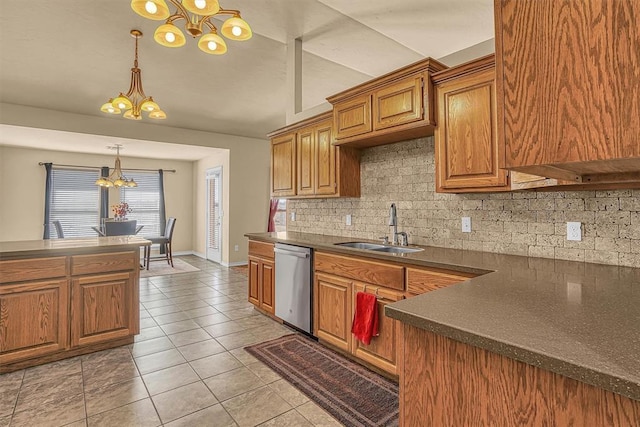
column 444, row 382
column 382, row 350
column 52, row 308
column 101, row 308
column 33, row 319
column 332, row 310
column 261, row 276
column 262, row 283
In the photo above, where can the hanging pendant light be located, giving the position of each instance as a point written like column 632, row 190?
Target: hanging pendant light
column 134, row 102
column 116, row 178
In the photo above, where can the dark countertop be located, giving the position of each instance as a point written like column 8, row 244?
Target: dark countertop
column 577, row 319
column 53, row 247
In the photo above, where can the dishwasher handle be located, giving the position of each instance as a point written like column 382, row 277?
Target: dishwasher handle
column 295, row 254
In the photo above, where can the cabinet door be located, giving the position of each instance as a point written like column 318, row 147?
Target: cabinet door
column 33, row 319
column 101, row 308
column 267, row 286
column 382, row 350
column 398, row 103
column 332, row 310
column 564, row 98
column 325, row 159
column 305, row 153
column 467, row 151
column 352, row 117
column 283, row 165
column 254, row 281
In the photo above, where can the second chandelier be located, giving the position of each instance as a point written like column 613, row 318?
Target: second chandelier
column 197, row 15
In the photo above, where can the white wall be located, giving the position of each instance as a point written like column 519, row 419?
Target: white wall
column 248, row 171
column 22, row 184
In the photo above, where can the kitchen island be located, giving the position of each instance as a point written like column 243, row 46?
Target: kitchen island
column 64, row 297
column 528, row 341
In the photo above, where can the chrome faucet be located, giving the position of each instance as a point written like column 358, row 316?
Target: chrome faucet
column 393, row 222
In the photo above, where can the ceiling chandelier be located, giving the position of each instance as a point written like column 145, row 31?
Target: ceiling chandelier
column 116, row 178
column 197, row 14
column 135, row 101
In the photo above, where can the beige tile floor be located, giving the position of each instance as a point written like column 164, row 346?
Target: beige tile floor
column 186, row 368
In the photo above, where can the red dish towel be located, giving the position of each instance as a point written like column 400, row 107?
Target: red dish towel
column 365, row 321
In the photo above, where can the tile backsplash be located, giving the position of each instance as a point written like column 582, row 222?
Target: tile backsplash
column 519, row 223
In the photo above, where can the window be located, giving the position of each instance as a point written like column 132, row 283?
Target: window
column 144, row 202
column 280, row 219
column 75, row 201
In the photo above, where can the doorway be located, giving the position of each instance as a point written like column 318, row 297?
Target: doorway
column 214, row 214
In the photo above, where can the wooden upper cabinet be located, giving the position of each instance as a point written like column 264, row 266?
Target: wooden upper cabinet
column 321, row 169
column 568, row 88
column 353, row 117
column 394, row 107
column 466, row 142
column 398, row 103
column 325, row 154
column 305, row 155
column 283, row 165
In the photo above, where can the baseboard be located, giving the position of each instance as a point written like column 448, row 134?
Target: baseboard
column 203, row 256
column 234, row 264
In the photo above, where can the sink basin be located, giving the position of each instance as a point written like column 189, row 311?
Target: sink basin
column 379, row 248
column 362, row 245
column 397, row 249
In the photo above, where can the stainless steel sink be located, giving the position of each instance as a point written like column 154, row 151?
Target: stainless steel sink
column 397, row 249
column 380, row 248
column 362, row 245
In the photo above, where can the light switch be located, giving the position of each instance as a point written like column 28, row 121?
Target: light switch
column 293, row 216
column 466, row 224
column 348, row 219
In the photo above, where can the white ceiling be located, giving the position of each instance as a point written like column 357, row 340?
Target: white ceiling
column 72, row 55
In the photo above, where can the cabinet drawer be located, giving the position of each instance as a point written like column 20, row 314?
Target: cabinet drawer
column 261, row 249
column 32, row 269
column 103, row 263
column 377, row 273
column 421, row 281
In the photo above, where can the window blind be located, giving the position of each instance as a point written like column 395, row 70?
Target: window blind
column 75, row 201
column 144, row 202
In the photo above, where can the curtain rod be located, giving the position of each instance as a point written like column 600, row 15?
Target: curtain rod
column 98, row 168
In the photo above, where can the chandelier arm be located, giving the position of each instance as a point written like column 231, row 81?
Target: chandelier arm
column 180, row 7
column 209, row 24
column 132, row 85
column 228, row 12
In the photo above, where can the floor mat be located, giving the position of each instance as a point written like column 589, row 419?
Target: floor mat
column 352, row 393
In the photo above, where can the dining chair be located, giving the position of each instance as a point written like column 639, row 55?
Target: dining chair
column 59, row 231
column 162, row 241
column 120, row 228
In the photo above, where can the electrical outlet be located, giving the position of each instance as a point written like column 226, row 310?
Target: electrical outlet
column 574, row 231
column 348, row 219
column 466, row 224
column 236, row 248
column 293, row 216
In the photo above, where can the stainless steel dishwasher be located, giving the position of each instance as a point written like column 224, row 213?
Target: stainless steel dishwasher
column 293, row 286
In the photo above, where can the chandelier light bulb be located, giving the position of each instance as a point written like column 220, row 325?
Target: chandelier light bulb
column 200, row 4
column 170, row 37
column 236, row 30
column 212, row 45
column 151, row 7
